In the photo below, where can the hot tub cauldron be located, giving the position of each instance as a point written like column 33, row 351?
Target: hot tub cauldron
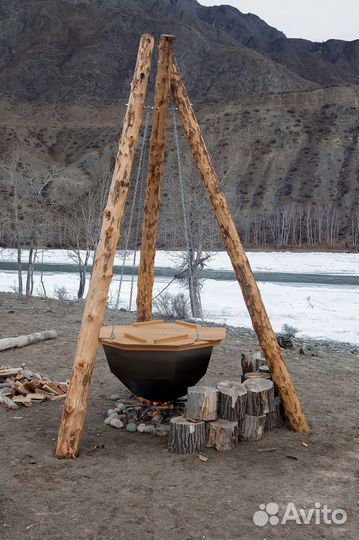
column 157, row 360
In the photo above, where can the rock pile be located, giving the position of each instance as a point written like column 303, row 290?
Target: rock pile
column 139, row 415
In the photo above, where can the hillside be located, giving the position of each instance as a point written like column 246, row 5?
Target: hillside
column 279, row 115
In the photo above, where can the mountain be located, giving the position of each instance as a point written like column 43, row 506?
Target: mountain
column 284, row 111
column 331, row 62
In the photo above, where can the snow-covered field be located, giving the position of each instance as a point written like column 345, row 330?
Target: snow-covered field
column 272, row 261
column 318, row 311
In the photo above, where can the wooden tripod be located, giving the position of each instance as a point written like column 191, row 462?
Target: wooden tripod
column 168, row 80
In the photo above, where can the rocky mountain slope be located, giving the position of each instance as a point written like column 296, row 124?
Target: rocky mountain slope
column 280, row 115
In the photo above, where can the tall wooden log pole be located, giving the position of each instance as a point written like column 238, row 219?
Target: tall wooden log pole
column 146, row 273
column 251, row 294
column 75, row 407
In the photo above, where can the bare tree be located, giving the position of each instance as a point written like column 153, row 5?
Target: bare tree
column 82, row 221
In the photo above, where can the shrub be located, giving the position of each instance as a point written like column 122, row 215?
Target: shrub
column 172, row 306
column 289, row 331
column 61, row 293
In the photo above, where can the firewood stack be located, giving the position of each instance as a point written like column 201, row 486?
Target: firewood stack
column 218, row 417
column 19, row 386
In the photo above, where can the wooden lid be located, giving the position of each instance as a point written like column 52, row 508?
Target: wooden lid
column 160, row 335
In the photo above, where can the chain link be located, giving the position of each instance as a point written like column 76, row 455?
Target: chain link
column 185, row 222
column 137, row 184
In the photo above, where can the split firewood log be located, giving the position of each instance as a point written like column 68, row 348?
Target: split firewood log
column 222, row 434
column 256, row 375
column 260, row 396
column 186, row 437
column 232, row 400
column 252, row 428
column 201, row 403
column 275, row 417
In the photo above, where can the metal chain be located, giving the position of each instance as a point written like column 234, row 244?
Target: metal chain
column 140, row 207
column 186, row 226
column 138, row 176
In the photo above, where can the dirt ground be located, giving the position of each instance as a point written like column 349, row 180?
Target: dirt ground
column 129, row 486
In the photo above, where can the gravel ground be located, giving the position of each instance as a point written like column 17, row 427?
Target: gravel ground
column 129, row 486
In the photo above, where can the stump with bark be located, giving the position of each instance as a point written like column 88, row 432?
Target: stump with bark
column 222, row 434
column 232, row 401
column 256, row 375
column 201, row 403
column 275, row 418
column 264, row 369
column 252, row 428
column 260, row 396
column 186, row 437
column 252, row 362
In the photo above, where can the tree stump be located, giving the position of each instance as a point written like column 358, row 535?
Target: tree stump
column 252, row 428
column 275, row 418
column 256, row 375
column 252, row 361
column 232, row 401
column 260, row 396
column 222, row 434
column 201, row 403
column 264, row 369
column 186, row 437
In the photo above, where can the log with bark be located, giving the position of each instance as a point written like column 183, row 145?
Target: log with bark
column 186, row 437
column 252, row 428
column 201, row 403
column 232, row 400
column 260, row 396
column 22, row 341
column 251, row 362
column 222, row 434
column 275, row 417
column 256, row 375
column 264, row 369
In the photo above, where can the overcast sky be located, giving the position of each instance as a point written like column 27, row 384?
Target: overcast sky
column 317, row 20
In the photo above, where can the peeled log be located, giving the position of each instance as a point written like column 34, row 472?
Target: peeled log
column 222, row 434
column 260, row 396
column 201, row 403
column 240, row 263
column 186, row 437
column 232, row 401
column 22, row 341
column 252, row 428
column 75, row 407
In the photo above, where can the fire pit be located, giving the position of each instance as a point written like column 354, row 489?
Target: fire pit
column 159, row 360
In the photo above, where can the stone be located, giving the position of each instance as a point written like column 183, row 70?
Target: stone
column 111, row 412
column 141, row 428
column 149, row 429
column 115, row 397
column 285, row 342
column 120, row 407
column 131, row 427
column 309, row 350
column 116, row 423
column 107, row 420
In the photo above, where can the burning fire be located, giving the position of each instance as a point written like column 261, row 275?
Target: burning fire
column 157, row 404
